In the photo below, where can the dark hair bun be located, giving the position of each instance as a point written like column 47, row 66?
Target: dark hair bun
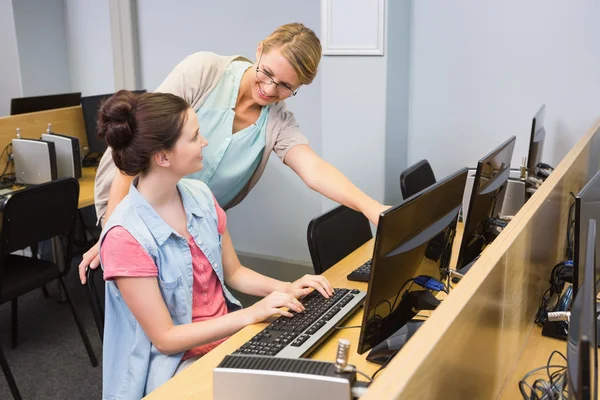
column 116, row 119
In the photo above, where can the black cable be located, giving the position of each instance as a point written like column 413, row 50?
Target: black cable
column 557, row 283
column 411, row 281
column 8, row 160
column 397, row 294
column 384, row 365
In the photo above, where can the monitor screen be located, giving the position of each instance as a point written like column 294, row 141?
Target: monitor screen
column 25, row 105
column 536, row 141
column 487, row 195
column 587, row 206
column 582, row 350
column 89, row 107
column 404, row 250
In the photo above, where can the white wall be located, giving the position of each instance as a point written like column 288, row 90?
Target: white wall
column 89, row 46
column 480, row 70
column 41, row 39
column 354, row 119
column 397, row 100
column 272, row 220
column 10, row 80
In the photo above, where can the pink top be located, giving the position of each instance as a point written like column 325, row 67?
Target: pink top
column 123, row 256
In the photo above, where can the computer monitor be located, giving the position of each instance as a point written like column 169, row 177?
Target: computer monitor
column 487, row 196
column 25, row 105
column 536, row 141
column 587, row 206
column 402, row 252
column 90, row 106
column 582, row 350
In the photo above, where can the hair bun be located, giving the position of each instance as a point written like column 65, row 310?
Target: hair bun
column 116, row 119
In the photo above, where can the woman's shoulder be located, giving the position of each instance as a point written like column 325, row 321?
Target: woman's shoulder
column 198, row 189
column 206, row 60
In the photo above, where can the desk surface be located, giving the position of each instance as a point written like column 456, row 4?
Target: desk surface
column 196, row 381
column 535, row 354
column 86, row 186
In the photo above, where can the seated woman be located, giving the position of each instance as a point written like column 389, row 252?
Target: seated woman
column 166, row 252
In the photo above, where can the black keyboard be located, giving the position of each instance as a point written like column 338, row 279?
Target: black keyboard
column 362, row 273
column 297, row 336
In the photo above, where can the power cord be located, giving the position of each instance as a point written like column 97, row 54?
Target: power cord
column 558, row 277
column 541, row 389
column 561, row 273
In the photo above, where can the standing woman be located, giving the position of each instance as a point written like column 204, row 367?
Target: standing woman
column 241, row 111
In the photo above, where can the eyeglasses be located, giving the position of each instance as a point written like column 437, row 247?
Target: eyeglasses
column 264, row 77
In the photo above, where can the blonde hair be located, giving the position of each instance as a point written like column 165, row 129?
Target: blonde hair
column 299, row 46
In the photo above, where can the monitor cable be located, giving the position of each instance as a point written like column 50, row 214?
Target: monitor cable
column 554, row 387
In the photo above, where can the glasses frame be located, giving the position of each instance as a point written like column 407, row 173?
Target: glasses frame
column 292, row 92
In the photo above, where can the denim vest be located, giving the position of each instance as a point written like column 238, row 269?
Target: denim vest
column 132, row 366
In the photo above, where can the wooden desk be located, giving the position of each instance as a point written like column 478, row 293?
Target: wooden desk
column 471, row 346
column 86, row 186
column 68, row 121
column 196, row 381
column 535, row 354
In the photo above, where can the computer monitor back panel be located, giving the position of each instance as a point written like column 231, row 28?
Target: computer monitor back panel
column 582, row 346
column 536, row 140
column 35, row 161
column 24, row 105
column 414, row 238
column 587, row 206
column 486, row 201
column 89, row 107
column 68, row 158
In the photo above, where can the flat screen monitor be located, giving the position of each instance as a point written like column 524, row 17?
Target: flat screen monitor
column 485, row 204
column 25, row 105
column 582, row 350
column 403, row 251
column 90, row 106
column 587, row 206
column 536, row 141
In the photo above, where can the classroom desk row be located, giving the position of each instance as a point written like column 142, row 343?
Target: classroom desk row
column 480, row 341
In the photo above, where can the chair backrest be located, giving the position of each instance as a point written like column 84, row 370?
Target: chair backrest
column 334, row 235
column 94, row 278
column 39, row 213
column 416, row 178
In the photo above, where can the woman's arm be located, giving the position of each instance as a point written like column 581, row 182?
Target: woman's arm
column 324, row 178
column 247, row 281
column 118, row 190
column 144, row 299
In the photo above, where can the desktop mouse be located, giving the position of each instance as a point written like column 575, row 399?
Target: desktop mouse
column 385, row 350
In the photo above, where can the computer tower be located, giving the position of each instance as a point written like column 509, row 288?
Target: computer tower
column 68, row 157
column 35, row 161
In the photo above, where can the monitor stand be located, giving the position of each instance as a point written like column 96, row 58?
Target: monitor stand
column 412, row 303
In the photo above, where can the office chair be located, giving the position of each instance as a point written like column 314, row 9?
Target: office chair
column 334, row 235
column 33, row 215
column 416, row 178
column 413, row 179
column 95, row 301
column 9, row 378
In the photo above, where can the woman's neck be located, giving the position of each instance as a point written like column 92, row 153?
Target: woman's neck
column 159, row 188
column 244, row 99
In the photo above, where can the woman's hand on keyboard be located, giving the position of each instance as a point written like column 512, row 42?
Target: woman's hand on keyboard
column 304, row 286
column 274, row 304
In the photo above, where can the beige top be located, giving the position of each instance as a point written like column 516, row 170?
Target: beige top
column 193, row 79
